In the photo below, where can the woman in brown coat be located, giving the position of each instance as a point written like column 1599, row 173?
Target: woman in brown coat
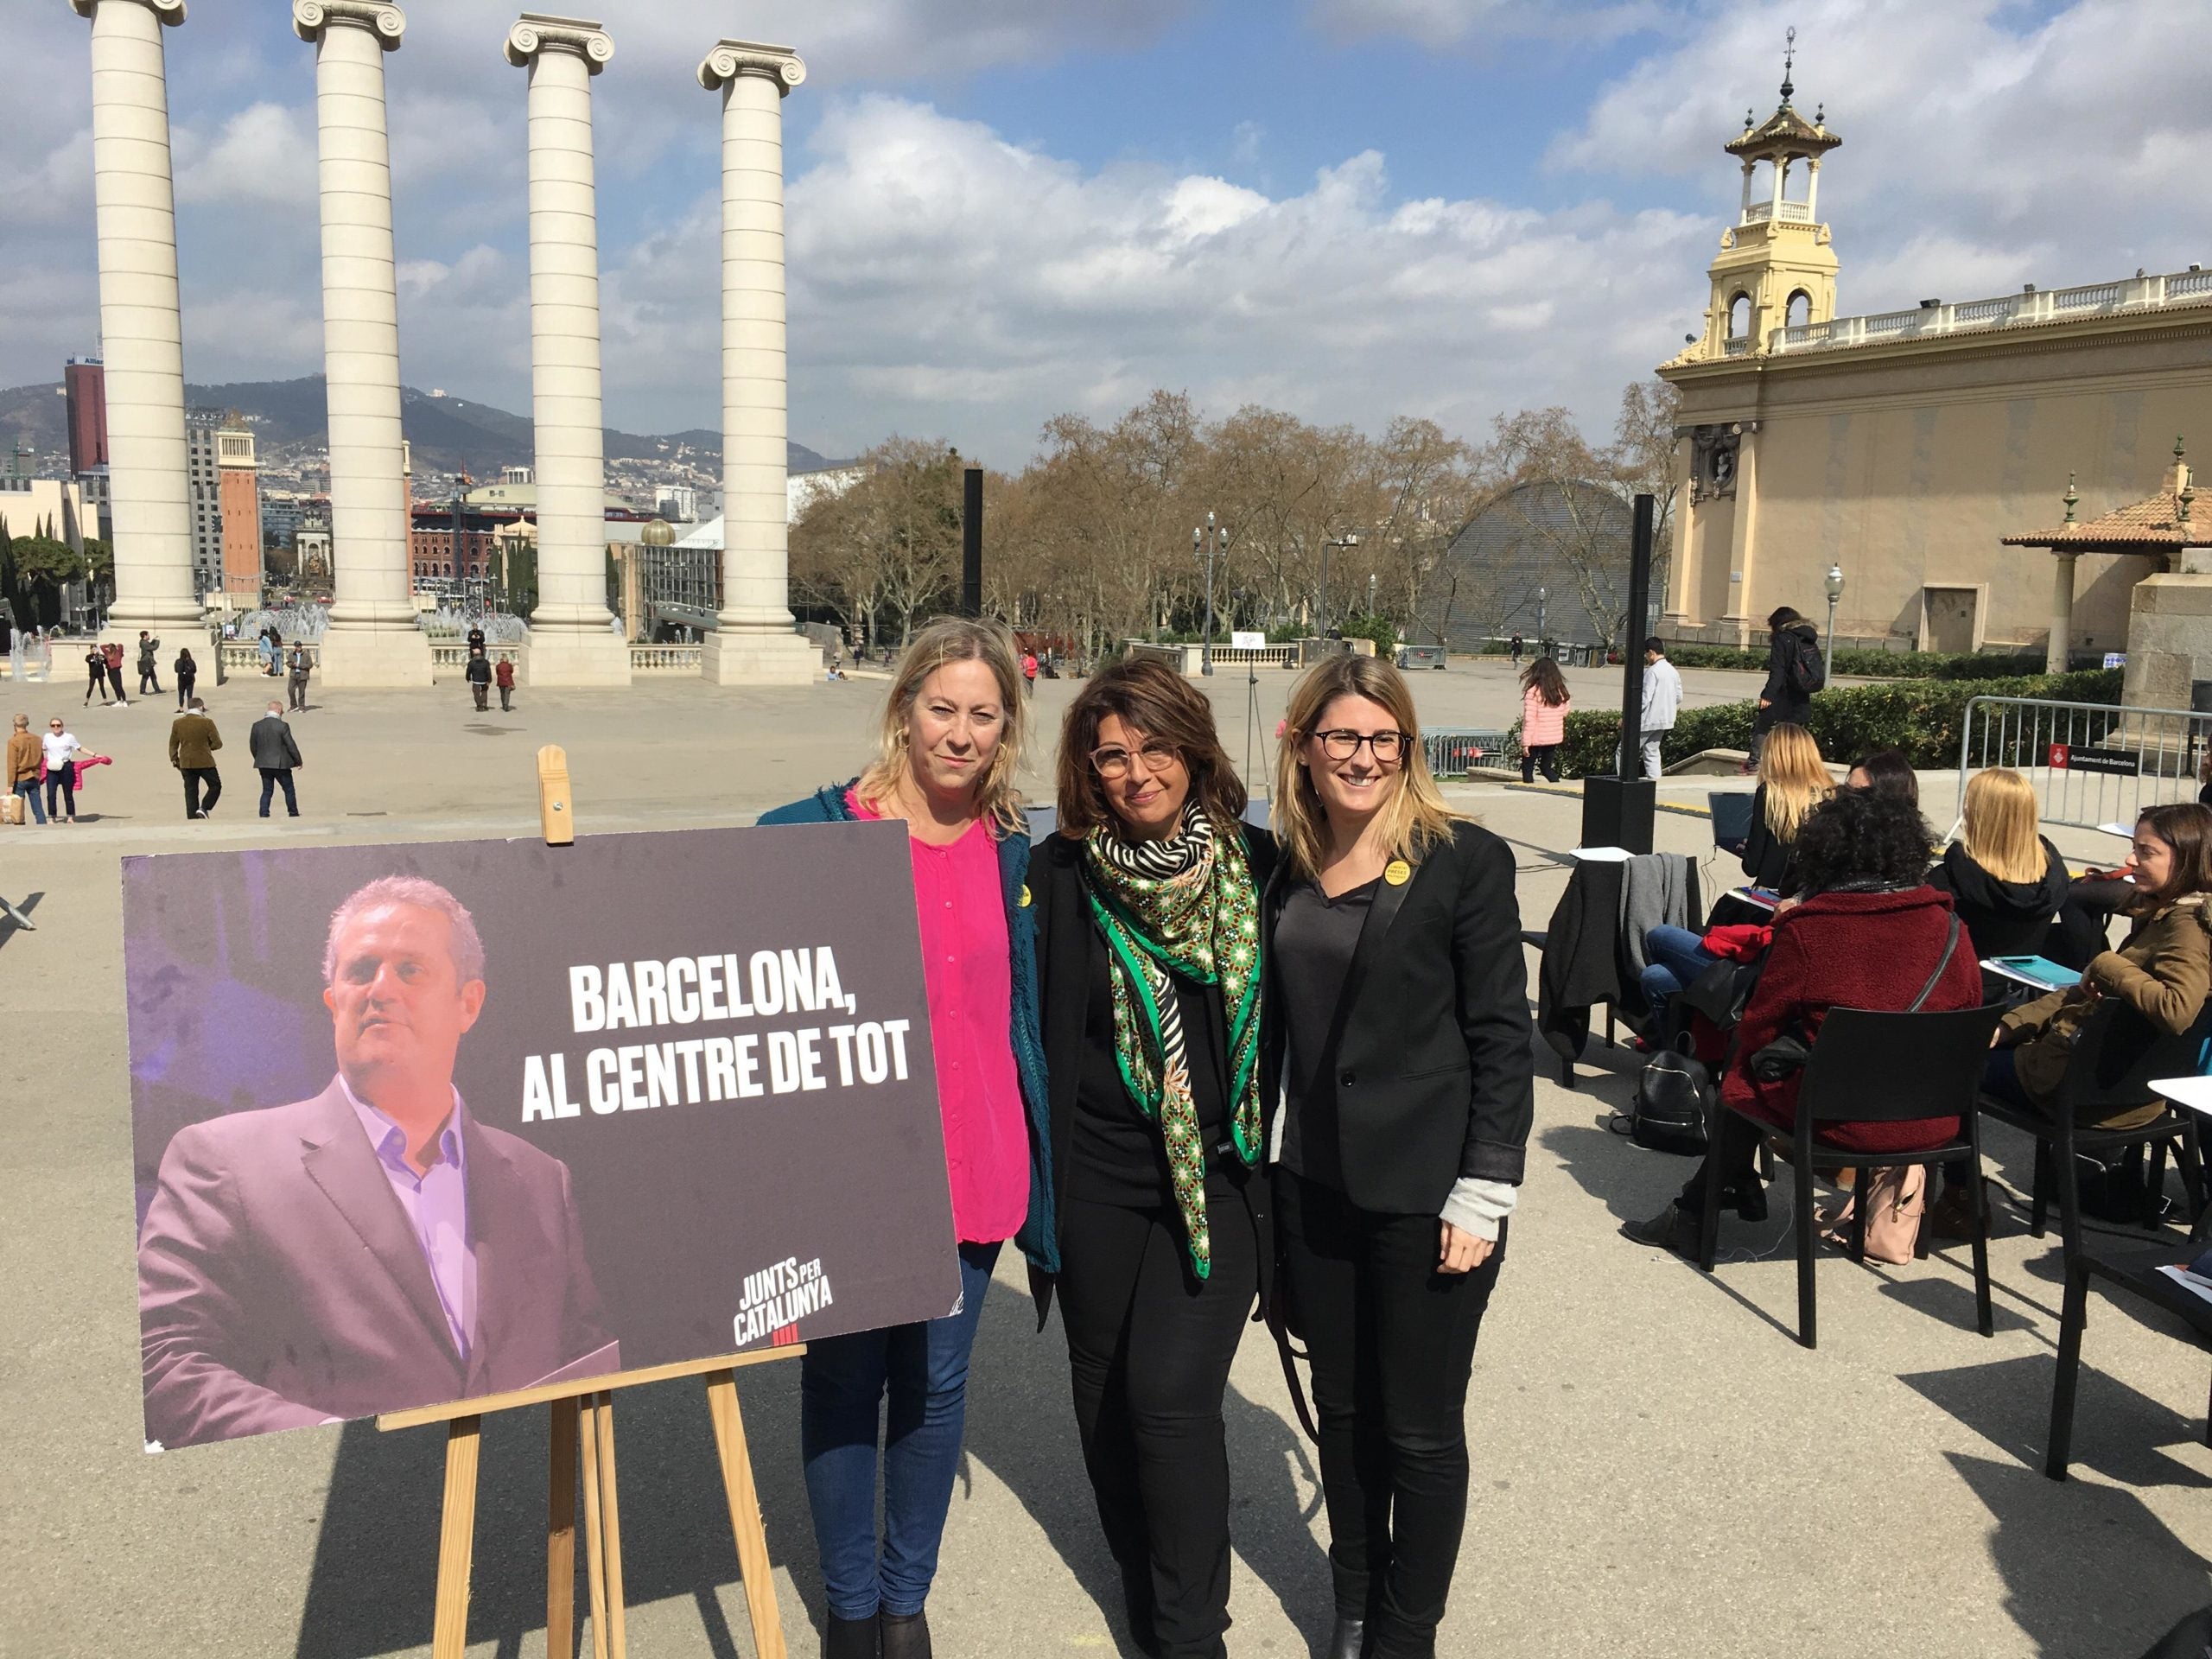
column 2164, row 971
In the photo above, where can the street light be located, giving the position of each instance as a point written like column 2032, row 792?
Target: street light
column 1835, row 592
column 1541, row 595
column 1321, row 616
column 1207, row 543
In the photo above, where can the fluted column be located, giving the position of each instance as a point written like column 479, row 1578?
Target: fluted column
column 571, row 637
column 373, row 639
column 141, row 337
column 753, row 642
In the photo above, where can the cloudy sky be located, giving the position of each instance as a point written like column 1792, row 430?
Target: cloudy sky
column 1000, row 209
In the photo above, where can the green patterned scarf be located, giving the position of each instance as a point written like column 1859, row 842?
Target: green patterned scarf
column 1187, row 906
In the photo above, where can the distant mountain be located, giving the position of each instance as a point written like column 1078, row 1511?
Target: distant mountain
column 446, row 435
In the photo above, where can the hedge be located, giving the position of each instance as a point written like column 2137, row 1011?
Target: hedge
column 1924, row 718
column 1865, row 664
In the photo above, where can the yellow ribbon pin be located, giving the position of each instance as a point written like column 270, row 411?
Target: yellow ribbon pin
column 1397, row 872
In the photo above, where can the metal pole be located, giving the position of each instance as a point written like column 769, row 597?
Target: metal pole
column 971, row 545
column 1205, row 650
column 1827, row 656
column 1639, row 608
column 1321, row 610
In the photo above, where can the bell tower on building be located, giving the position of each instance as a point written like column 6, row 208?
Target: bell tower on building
column 1775, row 267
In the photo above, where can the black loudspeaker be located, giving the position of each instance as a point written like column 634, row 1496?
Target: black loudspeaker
column 1618, row 812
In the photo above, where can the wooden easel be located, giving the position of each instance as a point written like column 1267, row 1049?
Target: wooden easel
column 582, row 1418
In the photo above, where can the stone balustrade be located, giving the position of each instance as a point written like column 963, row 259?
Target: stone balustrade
column 2006, row 311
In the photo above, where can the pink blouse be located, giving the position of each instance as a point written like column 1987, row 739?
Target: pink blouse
column 967, row 967
column 1541, row 722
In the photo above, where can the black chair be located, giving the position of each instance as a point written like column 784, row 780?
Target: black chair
column 2116, row 1055
column 2136, row 1271
column 1876, row 1068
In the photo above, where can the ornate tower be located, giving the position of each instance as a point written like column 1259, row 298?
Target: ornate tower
column 1775, row 267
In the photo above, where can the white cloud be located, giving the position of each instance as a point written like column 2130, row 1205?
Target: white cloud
column 265, row 153
column 1475, row 22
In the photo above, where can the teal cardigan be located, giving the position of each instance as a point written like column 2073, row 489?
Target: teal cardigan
column 1039, row 1235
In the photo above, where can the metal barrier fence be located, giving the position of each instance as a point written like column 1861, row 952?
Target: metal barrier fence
column 2092, row 764
column 1455, row 751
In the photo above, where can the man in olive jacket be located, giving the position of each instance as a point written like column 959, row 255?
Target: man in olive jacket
column 274, row 753
column 192, row 743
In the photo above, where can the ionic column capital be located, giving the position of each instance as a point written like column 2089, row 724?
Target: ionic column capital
column 538, row 32
column 168, row 11
column 732, row 59
column 380, row 17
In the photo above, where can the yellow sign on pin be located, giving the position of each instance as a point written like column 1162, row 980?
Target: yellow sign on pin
column 1397, row 872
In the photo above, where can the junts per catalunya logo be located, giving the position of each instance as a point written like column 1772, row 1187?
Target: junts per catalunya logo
column 778, row 1297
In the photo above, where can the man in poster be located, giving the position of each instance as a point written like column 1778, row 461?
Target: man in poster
column 375, row 1248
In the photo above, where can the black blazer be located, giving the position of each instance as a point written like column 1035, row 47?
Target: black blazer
column 1060, row 898
column 1770, row 863
column 1431, row 1051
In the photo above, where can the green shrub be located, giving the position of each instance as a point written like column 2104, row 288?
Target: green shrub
column 1379, row 629
column 1924, row 718
column 1860, row 662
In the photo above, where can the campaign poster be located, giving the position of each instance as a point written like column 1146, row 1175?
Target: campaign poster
column 414, row 1124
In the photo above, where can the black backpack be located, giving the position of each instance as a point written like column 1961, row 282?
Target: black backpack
column 1672, row 1099
column 1802, row 668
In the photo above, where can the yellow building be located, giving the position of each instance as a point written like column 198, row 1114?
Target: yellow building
column 1904, row 447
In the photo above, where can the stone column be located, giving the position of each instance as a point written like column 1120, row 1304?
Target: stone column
column 1742, row 549
column 141, row 336
column 2062, row 610
column 373, row 639
column 572, row 641
column 753, row 642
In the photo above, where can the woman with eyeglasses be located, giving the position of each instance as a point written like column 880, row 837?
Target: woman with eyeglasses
column 1148, row 954
column 947, row 759
column 1394, row 949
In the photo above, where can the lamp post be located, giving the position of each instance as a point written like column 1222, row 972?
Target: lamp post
column 1207, row 542
column 1321, row 611
column 1835, row 592
column 1541, row 596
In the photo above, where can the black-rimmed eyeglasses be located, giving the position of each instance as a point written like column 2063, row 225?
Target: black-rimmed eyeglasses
column 1342, row 743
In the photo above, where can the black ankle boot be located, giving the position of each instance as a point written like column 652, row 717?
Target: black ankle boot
column 905, row 1636
column 1349, row 1639
column 849, row 1639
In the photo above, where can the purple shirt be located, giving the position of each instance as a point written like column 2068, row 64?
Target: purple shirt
column 436, row 1204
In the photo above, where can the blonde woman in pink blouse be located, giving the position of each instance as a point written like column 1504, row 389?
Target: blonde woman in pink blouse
column 947, row 757
column 1544, row 704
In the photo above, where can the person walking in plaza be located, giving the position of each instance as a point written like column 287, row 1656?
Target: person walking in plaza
column 276, row 756
column 192, row 743
column 1029, row 671
column 1794, row 672
column 503, row 676
column 479, row 675
column 1392, row 935
column 1147, row 905
column 58, row 749
column 149, row 664
column 187, row 675
column 1663, row 704
column 299, row 664
column 113, row 652
column 96, row 668
column 1544, row 705
column 947, row 762
column 1516, row 650
column 265, row 647
column 23, row 758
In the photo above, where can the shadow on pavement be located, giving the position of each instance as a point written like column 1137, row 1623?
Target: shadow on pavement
column 2087, row 1569
column 2117, row 1430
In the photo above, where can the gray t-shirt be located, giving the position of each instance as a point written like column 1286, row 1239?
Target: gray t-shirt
column 1315, row 939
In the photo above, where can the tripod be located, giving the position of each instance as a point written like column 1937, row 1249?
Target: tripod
column 1252, row 721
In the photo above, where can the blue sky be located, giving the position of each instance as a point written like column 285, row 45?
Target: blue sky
column 1001, row 209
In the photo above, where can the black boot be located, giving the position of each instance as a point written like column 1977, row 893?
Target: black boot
column 906, row 1636
column 849, row 1639
column 1349, row 1638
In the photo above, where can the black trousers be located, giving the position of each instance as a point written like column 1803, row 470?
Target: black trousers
column 272, row 780
column 1149, row 1345
column 1544, row 754
column 147, row 682
column 115, row 680
column 196, row 777
column 298, row 688
column 184, row 684
column 61, row 780
column 1393, row 1342
column 99, row 684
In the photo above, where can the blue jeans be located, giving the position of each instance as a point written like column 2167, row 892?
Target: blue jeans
column 28, row 789
column 1676, row 957
column 843, row 1383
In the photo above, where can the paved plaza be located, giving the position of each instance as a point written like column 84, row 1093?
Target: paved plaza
column 1660, row 1469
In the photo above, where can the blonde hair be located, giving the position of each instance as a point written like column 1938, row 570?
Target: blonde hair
column 944, row 641
column 1796, row 779
column 1416, row 817
column 2002, row 827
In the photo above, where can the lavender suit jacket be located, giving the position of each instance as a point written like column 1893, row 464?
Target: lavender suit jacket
column 280, row 1283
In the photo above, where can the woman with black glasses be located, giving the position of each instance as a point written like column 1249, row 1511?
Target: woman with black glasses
column 1394, row 953
column 1148, row 958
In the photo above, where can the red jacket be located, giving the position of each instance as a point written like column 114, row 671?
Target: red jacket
column 1854, row 951
column 504, row 674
